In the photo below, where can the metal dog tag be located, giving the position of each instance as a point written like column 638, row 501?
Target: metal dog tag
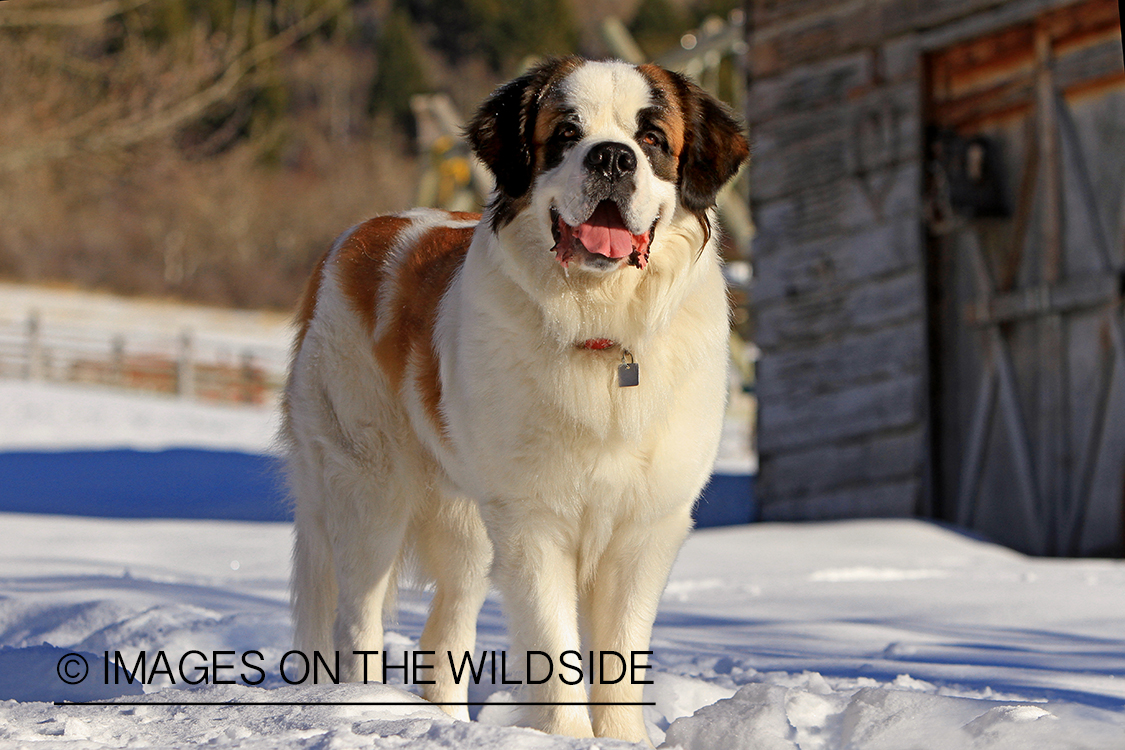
column 628, row 373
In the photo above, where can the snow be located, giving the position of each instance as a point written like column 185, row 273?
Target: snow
column 90, row 310
column 50, row 416
column 872, row 634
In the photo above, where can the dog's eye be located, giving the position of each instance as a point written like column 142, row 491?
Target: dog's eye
column 653, row 138
column 567, row 131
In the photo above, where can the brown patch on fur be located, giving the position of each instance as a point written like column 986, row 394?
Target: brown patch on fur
column 307, row 306
column 424, row 276
column 503, row 131
column 672, row 112
column 714, row 141
column 550, row 112
column 361, row 261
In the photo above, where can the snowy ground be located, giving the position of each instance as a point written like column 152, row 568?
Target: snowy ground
column 49, row 416
column 871, row 634
column 77, row 308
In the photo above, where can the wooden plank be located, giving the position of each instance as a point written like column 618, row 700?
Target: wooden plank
column 863, row 410
column 968, row 113
column 1087, row 65
column 994, row 75
column 1009, row 267
column 799, row 125
column 1101, row 530
column 808, row 88
column 1068, row 131
column 901, row 58
column 1018, row 437
column 780, row 47
column 795, row 153
column 839, row 465
column 782, row 43
column 777, row 173
column 1027, row 491
column 982, row 279
column 1051, row 179
column 835, row 208
column 768, row 13
column 837, row 364
column 1070, row 530
column 975, row 447
column 999, row 17
column 913, row 14
column 1072, row 295
column 880, row 250
column 793, row 323
column 974, row 459
column 890, row 500
column 1053, row 438
column 989, row 64
column 1079, row 21
column 1096, row 87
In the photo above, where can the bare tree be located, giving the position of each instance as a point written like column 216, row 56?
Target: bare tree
column 211, row 158
column 108, row 126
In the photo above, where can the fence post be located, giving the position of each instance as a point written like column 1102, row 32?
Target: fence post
column 117, row 355
column 249, row 378
column 185, row 367
column 33, row 369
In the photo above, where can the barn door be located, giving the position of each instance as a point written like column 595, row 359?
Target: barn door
column 1026, row 215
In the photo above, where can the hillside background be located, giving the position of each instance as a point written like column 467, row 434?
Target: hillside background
column 209, row 150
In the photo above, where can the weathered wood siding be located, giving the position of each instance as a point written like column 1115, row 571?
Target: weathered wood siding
column 840, row 299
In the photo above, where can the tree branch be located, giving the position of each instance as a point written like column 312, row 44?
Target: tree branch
column 125, row 134
column 16, row 16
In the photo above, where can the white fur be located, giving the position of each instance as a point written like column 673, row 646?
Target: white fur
column 588, row 89
column 577, row 492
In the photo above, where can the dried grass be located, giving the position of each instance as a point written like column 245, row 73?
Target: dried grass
column 234, row 218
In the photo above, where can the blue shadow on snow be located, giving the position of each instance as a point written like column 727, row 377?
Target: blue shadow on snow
column 222, row 485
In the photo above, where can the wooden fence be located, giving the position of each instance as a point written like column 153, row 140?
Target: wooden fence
column 189, row 365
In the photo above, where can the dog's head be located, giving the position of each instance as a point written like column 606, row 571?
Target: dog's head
column 600, row 156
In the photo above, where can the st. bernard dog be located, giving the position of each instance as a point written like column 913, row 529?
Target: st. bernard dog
column 461, row 399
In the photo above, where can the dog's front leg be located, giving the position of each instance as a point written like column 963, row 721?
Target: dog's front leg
column 621, row 608
column 536, row 571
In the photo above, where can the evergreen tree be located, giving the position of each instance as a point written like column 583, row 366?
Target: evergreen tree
column 400, row 71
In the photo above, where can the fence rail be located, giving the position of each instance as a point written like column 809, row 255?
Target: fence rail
column 189, row 365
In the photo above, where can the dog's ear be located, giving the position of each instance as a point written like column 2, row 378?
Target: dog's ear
column 715, row 147
column 501, row 132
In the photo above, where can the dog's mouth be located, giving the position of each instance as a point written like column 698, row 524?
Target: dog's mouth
column 604, row 236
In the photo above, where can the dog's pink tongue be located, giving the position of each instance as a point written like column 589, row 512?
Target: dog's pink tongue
column 605, row 232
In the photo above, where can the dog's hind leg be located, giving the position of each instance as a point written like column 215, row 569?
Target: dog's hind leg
column 313, row 584
column 368, row 526
column 453, row 550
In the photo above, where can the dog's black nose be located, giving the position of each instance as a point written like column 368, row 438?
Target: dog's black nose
column 611, row 159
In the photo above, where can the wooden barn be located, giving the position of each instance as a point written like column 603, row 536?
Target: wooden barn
column 938, row 188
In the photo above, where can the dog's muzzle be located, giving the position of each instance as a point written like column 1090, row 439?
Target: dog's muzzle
column 611, row 161
column 602, row 238
column 601, row 241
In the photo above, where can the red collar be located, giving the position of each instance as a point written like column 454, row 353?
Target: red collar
column 597, row 344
